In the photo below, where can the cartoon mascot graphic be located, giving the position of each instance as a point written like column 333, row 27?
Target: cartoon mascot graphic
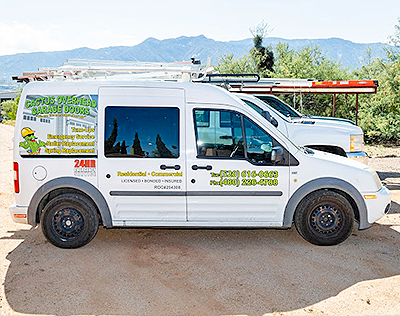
column 30, row 144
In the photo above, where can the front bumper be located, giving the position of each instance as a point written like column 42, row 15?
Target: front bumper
column 378, row 206
column 358, row 156
column 19, row 214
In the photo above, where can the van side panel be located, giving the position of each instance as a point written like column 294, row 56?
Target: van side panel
column 55, row 136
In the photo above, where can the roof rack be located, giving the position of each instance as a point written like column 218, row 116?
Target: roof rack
column 309, row 87
column 253, row 84
column 32, row 76
column 75, row 69
column 216, row 78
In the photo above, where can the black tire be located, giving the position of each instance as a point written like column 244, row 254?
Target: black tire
column 70, row 220
column 324, row 218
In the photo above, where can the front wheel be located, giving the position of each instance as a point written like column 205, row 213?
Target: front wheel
column 70, row 220
column 324, row 218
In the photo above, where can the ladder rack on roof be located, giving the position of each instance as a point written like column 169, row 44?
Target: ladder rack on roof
column 249, row 85
column 253, row 84
column 76, row 69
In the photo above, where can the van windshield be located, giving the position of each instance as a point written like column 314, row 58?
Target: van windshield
column 260, row 110
column 280, row 106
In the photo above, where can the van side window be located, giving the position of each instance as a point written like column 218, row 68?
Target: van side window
column 221, row 135
column 258, row 143
column 253, row 106
column 279, row 106
column 141, row 132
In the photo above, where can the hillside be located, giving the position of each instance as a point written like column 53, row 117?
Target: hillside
column 179, row 49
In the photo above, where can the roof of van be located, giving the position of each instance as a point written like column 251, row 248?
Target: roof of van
column 194, row 92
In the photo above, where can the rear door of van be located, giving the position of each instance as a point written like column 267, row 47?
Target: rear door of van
column 142, row 154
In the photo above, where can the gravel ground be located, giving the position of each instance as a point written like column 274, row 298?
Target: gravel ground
column 200, row 272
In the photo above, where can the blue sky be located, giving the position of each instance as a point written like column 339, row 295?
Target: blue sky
column 49, row 25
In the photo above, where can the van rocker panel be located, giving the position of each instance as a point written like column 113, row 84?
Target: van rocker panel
column 196, row 193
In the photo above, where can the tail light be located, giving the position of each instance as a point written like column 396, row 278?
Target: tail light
column 16, row 177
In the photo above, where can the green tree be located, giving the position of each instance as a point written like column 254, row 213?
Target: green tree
column 380, row 113
column 110, row 141
column 395, row 38
column 117, row 148
column 229, row 65
column 161, row 149
column 136, row 147
column 263, row 57
column 259, row 60
column 306, row 63
column 9, row 108
column 123, row 148
column 310, row 63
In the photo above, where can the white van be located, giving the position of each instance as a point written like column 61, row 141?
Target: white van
column 163, row 154
column 333, row 135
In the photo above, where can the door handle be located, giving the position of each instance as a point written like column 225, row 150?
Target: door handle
column 176, row 167
column 196, row 167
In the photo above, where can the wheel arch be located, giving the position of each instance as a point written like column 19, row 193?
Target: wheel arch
column 328, row 183
column 65, row 185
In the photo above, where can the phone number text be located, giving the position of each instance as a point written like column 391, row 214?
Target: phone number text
column 245, row 178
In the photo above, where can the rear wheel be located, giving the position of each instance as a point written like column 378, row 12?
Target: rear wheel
column 324, row 218
column 70, row 220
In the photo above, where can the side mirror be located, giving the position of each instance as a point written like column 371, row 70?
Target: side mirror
column 266, row 115
column 277, row 155
column 269, row 118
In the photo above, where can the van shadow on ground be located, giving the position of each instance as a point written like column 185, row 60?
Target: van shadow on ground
column 192, row 272
column 395, row 208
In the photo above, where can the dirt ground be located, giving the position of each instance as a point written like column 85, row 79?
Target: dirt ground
column 200, row 272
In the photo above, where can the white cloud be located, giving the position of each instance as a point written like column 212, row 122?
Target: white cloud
column 19, row 37
column 23, row 38
column 16, row 37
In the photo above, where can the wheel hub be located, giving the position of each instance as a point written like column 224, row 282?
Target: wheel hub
column 326, row 219
column 68, row 223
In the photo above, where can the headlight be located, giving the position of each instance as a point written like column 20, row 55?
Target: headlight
column 356, row 143
column 376, row 177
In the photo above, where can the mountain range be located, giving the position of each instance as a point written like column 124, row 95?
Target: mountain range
column 183, row 48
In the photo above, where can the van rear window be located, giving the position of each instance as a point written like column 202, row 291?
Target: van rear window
column 59, row 125
column 141, row 132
